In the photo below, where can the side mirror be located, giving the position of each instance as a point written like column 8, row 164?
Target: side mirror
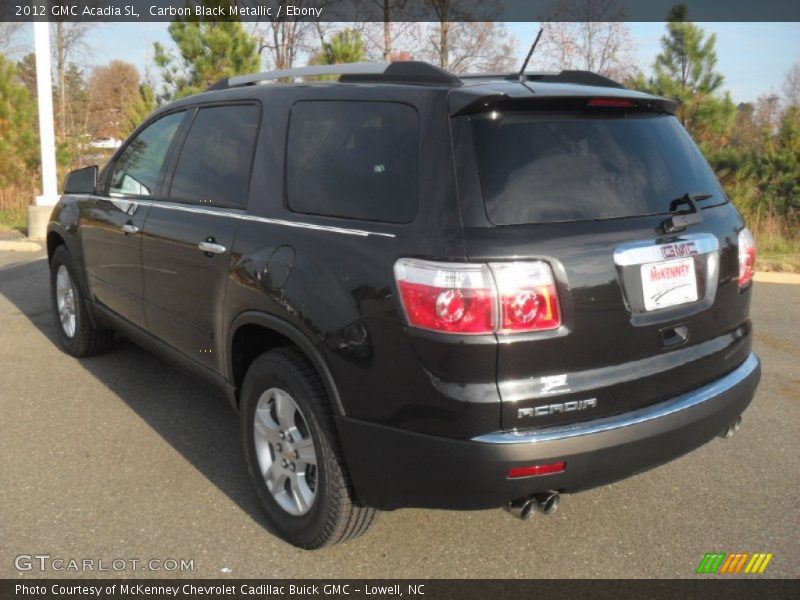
column 81, row 181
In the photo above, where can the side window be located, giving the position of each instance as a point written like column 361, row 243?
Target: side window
column 353, row 159
column 214, row 165
column 138, row 168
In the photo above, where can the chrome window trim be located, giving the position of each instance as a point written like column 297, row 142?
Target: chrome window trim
column 120, row 198
column 663, row 409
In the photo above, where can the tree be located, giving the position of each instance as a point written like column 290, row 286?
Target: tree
column 26, row 72
column 114, row 89
column 207, row 52
column 19, row 151
column 685, row 69
column 69, row 41
column 459, row 44
column 9, row 30
column 345, row 46
column 588, row 35
column 791, row 85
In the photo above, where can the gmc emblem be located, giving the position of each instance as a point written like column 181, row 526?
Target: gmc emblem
column 678, row 249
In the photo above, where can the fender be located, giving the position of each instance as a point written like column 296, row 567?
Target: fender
column 297, row 337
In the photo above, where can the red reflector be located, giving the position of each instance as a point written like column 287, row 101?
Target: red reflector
column 534, row 470
column 611, row 102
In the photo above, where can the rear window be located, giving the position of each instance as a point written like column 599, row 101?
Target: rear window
column 569, row 167
column 353, row 159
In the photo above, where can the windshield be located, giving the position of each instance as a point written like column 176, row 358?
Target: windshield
column 544, row 168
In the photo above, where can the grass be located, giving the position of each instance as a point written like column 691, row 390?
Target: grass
column 14, row 208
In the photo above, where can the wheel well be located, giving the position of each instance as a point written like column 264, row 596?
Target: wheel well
column 249, row 342
column 53, row 241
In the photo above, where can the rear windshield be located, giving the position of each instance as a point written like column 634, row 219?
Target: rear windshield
column 544, row 168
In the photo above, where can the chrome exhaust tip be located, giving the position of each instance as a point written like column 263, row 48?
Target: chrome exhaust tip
column 548, row 502
column 522, row 508
column 732, row 428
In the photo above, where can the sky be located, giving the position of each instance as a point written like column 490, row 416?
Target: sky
column 753, row 57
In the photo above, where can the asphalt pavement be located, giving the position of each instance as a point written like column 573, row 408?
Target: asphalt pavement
column 123, row 457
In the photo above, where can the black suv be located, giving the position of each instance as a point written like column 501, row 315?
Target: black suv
column 420, row 290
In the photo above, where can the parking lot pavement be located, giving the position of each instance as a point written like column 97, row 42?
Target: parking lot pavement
column 121, row 456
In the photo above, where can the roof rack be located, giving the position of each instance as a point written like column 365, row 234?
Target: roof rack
column 569, row 76
column 378, row 72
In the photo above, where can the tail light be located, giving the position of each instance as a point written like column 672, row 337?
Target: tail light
column 477, row 298
column 611, row 102
column 747, row 257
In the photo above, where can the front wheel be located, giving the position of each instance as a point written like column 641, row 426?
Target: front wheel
column 73, row 325
column 293, row 453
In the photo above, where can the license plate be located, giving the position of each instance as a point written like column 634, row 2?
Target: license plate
column 668, row 283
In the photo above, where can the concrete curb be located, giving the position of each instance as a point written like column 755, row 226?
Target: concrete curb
column 19, row 246
column 775, row 277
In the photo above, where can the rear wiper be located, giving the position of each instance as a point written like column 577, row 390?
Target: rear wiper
column 681, row 219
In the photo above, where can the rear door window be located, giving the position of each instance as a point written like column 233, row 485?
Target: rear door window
column 216, row 158
column 357, row 160
column 540, row 168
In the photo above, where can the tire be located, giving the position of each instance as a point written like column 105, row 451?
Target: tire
column 330, row 514
column 76, row 333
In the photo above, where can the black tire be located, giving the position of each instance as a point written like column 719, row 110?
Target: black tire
column 334, row 516
column 85, row 339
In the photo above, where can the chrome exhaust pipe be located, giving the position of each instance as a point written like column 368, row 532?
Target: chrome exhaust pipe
column 732, row 428
column 522, row 508
column 547, row 502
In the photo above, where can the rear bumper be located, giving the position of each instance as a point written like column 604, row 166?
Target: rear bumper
column 393, row 468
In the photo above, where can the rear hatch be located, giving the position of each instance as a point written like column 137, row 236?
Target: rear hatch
column 651, row 305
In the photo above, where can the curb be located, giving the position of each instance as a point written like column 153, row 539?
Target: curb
column 777, row 277
column 19, row 246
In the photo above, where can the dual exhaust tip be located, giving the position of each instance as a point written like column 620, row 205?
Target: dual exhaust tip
column 524, row 508
column 732, row 428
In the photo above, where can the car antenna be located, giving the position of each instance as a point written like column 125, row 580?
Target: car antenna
column 521, row 74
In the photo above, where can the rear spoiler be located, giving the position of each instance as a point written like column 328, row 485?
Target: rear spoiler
column 599, row 100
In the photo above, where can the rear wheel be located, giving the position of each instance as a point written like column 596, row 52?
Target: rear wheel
column 293, row 453
column 73, row 325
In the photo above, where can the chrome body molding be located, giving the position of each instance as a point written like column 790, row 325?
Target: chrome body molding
column 129, row 206
column 649, row 413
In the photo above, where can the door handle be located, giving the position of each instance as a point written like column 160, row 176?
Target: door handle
column 130, row 228
column 211, row 247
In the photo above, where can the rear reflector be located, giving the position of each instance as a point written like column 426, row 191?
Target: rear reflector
column 612, row 102
column 535, row 470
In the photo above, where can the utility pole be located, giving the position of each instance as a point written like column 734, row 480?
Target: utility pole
column 39, row 214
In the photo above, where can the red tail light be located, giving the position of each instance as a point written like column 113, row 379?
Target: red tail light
column 475, row 298
column 747, row 257
column 612, row 102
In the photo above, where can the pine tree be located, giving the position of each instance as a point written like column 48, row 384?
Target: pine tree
column 685, row 69
column 207, row 52
column 345, row 46
column 19, row 152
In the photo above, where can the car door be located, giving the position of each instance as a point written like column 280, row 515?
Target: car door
column 113, row 218
column 188, row 237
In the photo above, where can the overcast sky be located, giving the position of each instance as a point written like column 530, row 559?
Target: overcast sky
column 753, row 57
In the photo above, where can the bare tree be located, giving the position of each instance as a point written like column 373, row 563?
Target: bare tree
column 69, row 43
column 459, row 43
column 588, row 35
column 9, row 32
column 399, row 32
column 791, row 85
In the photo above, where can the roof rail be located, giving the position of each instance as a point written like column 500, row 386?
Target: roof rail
column 396, row 72
column 569, row 76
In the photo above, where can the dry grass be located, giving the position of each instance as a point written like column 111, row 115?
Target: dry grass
column 14, row 203
column 777, row 240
